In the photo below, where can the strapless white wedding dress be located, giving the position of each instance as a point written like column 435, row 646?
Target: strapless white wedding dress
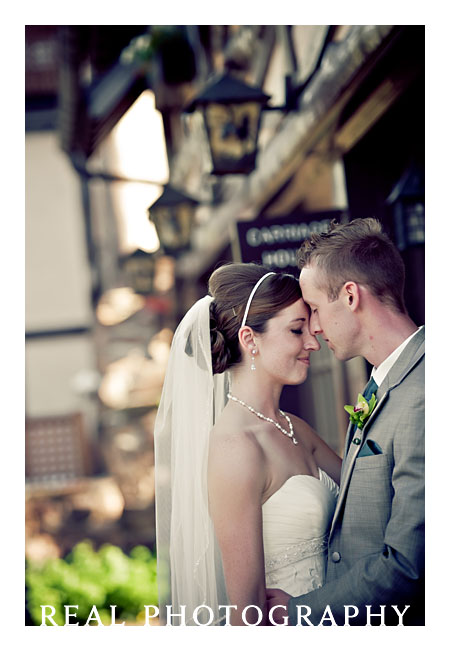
column 296, row 524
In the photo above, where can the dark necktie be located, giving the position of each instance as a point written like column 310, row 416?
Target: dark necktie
column 370, row 388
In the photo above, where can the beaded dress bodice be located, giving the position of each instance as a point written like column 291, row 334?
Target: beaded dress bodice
column 296, row 523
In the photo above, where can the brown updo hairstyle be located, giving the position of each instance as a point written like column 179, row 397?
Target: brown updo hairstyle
column 230, row 286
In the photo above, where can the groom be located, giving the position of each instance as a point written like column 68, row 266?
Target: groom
column 353, row 278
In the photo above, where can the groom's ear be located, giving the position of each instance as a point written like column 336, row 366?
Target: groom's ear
column 352, row 295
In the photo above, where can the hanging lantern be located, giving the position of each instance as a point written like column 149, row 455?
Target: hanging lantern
column 232, row 115
column 139, row 269
column 407, row 200
column 173, row 215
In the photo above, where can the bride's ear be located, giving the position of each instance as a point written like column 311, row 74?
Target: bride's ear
column 246, row 338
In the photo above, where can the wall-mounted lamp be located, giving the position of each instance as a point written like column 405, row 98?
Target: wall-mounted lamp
column 232, row 114
column 173, row 216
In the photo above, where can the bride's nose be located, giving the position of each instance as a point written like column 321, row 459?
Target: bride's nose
column 311, row 342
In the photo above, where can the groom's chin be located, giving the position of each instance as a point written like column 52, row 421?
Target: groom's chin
column 341, row 355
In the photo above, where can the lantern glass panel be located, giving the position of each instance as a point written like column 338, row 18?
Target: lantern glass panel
column 232, row 133
column 139, row 271
column 174, row 225
column 184, row 218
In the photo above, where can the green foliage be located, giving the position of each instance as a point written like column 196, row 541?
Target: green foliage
column 87, row 577
column 145, row 47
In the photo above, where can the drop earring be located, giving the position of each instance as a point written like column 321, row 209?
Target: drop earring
column 253, row 367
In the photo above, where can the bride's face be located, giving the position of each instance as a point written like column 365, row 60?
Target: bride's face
column 285, row 347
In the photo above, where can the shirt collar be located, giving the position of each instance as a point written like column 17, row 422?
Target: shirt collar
column 383, row 369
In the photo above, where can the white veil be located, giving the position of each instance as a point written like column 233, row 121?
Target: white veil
column 189, row 564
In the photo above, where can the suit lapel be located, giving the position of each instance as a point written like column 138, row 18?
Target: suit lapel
column 347, row 438
column 350, row 458
column 405, row 363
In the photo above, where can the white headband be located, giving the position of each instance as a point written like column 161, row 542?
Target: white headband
column 271, row 273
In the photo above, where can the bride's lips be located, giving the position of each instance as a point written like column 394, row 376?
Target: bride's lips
column 305, row 360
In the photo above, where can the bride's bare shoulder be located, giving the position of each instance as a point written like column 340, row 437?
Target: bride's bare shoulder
column 232, row 444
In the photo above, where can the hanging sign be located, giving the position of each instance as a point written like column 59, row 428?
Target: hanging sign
column 275, row 242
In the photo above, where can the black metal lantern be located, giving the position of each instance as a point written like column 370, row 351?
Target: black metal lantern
column 232, row 115
column 139, row 270
column 173, row 216
column 407, row 200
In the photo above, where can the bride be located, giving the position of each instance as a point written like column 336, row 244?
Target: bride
column 245, row 493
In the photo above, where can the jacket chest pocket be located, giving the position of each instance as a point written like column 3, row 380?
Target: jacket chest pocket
column 379, row 462
column 370, row 493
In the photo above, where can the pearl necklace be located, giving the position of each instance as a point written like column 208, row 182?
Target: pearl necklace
column 289, row 434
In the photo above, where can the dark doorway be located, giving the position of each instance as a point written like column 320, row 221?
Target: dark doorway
column 392, row 151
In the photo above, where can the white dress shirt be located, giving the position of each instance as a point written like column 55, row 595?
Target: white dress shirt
column 383, row 369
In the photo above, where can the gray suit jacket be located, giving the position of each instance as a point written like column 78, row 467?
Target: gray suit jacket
column 376, row 543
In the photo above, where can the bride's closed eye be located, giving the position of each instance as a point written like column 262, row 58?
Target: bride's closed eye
column 297, row 332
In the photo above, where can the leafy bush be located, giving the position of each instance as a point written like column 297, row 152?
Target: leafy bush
column 87, row 577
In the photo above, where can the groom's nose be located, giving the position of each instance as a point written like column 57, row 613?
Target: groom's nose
column 314, row 325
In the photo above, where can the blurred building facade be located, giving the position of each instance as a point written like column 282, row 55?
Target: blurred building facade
column 342, row 136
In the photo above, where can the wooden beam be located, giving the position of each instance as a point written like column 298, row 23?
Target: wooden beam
column 371, row 110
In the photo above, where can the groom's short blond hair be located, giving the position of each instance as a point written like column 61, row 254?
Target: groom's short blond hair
column 361, row 252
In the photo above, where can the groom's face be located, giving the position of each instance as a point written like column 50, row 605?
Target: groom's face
column 330, row 319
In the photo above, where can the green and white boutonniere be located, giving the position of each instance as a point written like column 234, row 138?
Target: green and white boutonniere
column 361, row 411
